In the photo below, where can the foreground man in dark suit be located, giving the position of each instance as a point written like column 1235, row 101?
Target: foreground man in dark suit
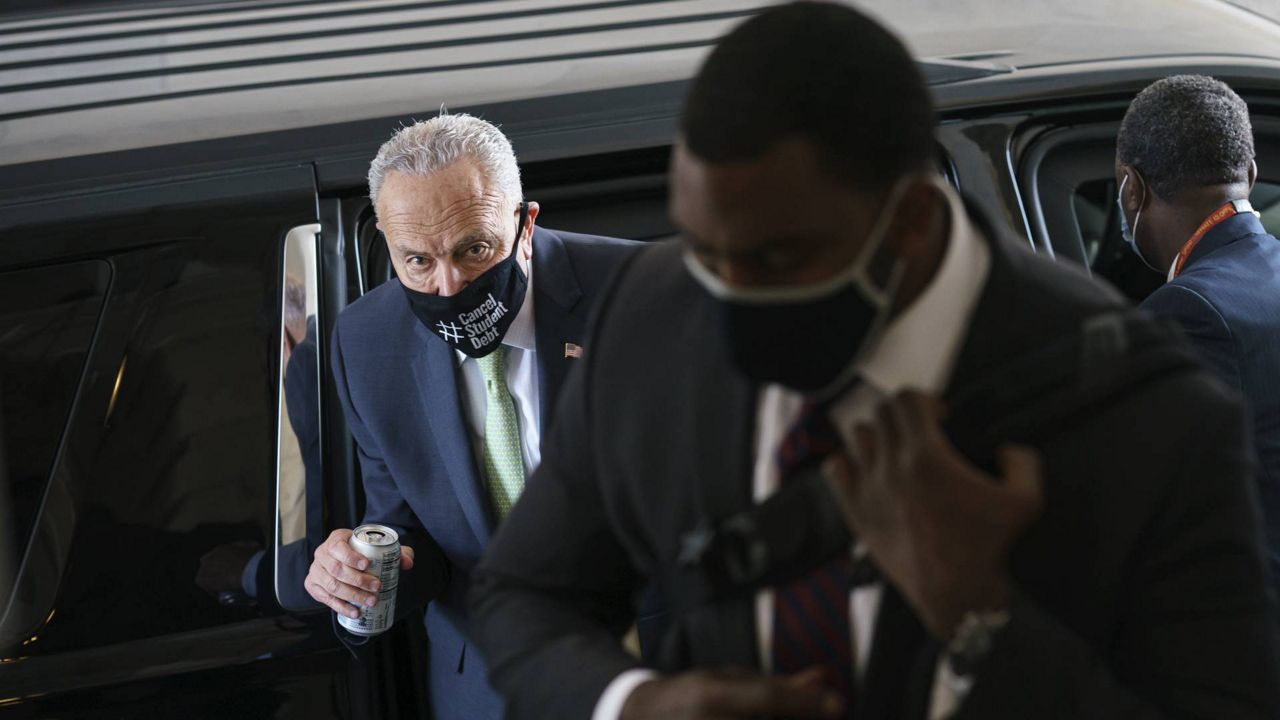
column 447, row 375
column 833, row 303
column 1185, row 166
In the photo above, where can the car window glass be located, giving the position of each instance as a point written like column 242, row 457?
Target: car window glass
column 175, row 500
column 47, row 320
column 1265, row 199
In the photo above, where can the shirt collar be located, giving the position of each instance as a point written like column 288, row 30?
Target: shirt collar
column 1245, row 222
column 520, row 334
column 919, row 347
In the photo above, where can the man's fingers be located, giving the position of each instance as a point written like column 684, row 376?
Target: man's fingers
column 350, row 593
column 843, row 479
column 334, row 568
column 808, row 678
column 892, row 432
column 1023, row 480
column 770, row 696
column 323, row 597
column 868, row 442
column 355, row 578
column 344, row 553
column 343, row 582
column 921, row 415
column 406, row 558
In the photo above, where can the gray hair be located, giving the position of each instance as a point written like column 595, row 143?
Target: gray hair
column 432, row 145
column 1186, row 131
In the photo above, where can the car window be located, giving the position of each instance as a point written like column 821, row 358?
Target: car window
column 172, row 470
column 47, row 320
column 1067, row 176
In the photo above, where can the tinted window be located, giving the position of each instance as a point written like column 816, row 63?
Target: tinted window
column 174, row 479
column 47, row 320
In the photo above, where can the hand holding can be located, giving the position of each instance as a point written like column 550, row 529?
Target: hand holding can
column 346, row 580
column 380, row 545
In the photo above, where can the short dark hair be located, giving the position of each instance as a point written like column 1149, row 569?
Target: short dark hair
column 822, row 72
column 1186, row 131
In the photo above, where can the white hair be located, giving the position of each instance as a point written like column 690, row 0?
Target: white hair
column 432, row 145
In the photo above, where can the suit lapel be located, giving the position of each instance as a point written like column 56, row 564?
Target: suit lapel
column 722, row 428
column 559, row 317
column 898, row 681
column 436, row 372
column 891, row 687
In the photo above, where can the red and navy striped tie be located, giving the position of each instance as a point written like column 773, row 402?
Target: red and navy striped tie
column 811, row 613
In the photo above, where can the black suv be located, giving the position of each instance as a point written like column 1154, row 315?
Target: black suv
column 183, row 214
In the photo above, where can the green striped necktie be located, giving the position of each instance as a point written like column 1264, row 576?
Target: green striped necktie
column 503, row 458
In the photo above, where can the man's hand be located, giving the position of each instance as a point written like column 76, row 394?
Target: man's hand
column 731, row 694
column 939, row 528
column 338, row 578
column 220, row 568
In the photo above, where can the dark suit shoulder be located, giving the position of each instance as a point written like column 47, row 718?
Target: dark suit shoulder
column 594, row 258
column 595, row 243
column 1238, row 280
column 371, row 335
column 1056, row 290
column 656, row 277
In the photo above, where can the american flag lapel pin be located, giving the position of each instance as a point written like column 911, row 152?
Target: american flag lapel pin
column 572, row 351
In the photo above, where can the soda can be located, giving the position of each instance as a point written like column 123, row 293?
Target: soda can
column 381, row 545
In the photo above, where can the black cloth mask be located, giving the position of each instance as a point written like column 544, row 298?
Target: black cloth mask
column 809, row 338
column 475, row 319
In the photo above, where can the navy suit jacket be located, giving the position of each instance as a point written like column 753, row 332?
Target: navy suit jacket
column 397, row 383
column 1227, row 300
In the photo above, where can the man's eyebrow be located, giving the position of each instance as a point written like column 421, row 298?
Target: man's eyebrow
column 469, row 238
column 405, row 249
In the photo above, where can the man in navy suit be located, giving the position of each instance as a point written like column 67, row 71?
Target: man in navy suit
column 1185, row 167
column 448, row 376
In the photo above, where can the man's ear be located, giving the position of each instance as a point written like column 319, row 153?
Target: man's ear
column 526, row 237
column 1253, row 173
column 533, row 208
column 1134, row 191
column 917, row 231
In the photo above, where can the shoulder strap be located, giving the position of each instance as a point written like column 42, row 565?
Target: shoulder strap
column 1111, row 355
column 1030, row 397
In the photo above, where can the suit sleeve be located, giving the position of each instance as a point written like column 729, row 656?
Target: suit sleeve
column 554, row 592
column 1197, row 637
column 1203, row 325
column 385, row 504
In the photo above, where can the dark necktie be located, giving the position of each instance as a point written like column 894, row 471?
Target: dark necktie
column 811, row 613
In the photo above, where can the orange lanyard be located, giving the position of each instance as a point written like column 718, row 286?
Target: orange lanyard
column 1230, row 210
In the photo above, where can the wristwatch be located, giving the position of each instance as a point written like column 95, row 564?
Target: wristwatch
column 973, row 640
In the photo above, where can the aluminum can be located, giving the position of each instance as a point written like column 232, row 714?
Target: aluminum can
column 381, row 545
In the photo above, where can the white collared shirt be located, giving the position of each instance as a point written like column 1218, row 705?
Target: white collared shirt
column 918, row 351
column 522, row 382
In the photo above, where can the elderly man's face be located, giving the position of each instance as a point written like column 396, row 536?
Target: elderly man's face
column 445, row 229
column 775, row 220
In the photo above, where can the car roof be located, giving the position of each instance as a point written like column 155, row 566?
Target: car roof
column 90, row 83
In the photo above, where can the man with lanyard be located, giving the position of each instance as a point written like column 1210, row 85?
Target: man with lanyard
column 1185, row 167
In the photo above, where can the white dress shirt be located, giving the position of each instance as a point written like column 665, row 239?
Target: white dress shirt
column 522, row 382
column 918, row 351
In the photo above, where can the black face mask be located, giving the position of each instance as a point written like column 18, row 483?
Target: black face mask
column 808, row 346
column 809, row 338
column 475, row 319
